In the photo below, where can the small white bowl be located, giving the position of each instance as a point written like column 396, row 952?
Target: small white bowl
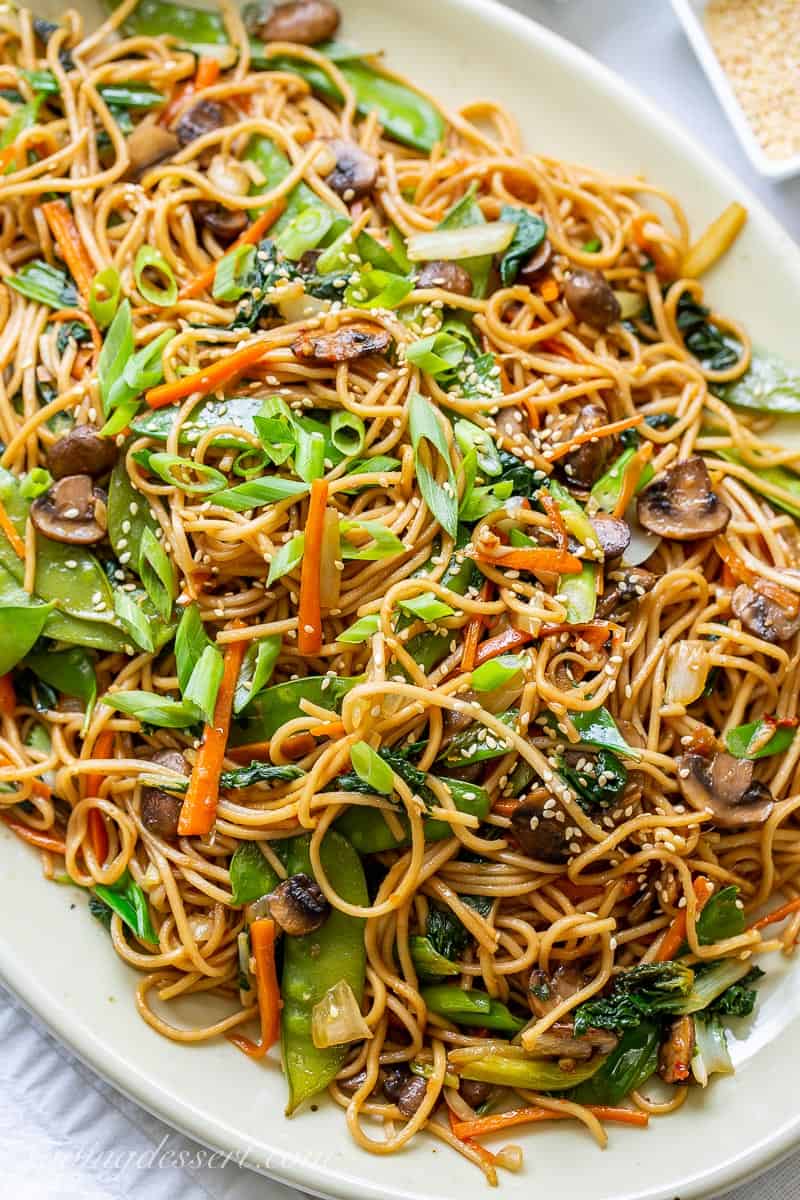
column 690, row 14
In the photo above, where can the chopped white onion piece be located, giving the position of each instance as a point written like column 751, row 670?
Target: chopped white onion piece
column 642, row 543
column 299, row 307
column 336, row 1019
column 453, row 244
column 631, row 304
column 688, row 664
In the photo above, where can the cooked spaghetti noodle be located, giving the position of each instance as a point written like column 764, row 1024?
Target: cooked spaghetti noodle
column 508, row 796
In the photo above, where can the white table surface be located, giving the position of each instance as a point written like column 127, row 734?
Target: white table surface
column 67, row 1135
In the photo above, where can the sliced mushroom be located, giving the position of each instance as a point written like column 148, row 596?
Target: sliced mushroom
column 351, row 341
column 148, row 145
column 540, row 835
column 591, row 299
column 203, row 117
column 585, row 464
column 547, row 990
column 560, row 1042
column 613, row 534
column 299, row 905
column 226, row 224
column 762, row 616
column 160, row 809
column 629, row 584
column 474, row 1092
column 405, row 1090
column 680, row 504
column 446, row 275
column 82, row 451
column 303, row 21
column 355, row 173
column 532, row 271
column 72, row 511
column 353, row 1082
column 675, row 1055
column 725, row 785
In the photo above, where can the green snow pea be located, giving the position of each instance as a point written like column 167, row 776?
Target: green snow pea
column 316, row 962
column 780, row 477
column 366, row 827
column 251, row 874
column 197, row 29
column 20, row 626
column 275, row 166
column 739, row 740
column 70, row 672
column 470, row 1008
column 280, row 703
column 129, row 514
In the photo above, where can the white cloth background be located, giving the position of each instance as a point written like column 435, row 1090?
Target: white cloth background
column 67, row 1135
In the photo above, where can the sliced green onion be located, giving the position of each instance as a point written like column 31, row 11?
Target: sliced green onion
column 269, row 489
column 309, row 455
column 134, row 620
column 276, row 429
column 497, row 672
column 371, row 768
column 191, row 640
column 467, row 242
column 304, row 232
column 203, row 685
column 382, row 542
column 250, row 463
column 399, row 249
column 592, row 246
column 361, row 630
column 377, row 289
column 121, row 418
column 471, row 437
column 153, row 709
column 35, row 483
column 104, row 296
column 117, row 351
column 424, row 426
column 436, row 354
column 336, row 256
column 286, row 558
column 257, row 667
column 579, row 594
column 150, row 259
column 348, row 432
column 141, row 372
column 231, row 273
column 157, row 573
column 426, row 607
column 197, row 479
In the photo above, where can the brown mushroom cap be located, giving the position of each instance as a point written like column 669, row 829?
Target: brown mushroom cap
column 226, row 224
column 762, row 616
column 203, row 117
column 149, row 144
column 538, row 832
column 161, row 810
column 82, row 451
column 547, row 990
column 303, row 21
column 532, row 271
column 613, row 534
column 350, row 341
column 72, row 511
column 447, row 275
column 299, row 905
column 591, row 299
column 585, row 464
column 725, row 785
column 474, row 1092
column 355, row 173
column 405, row 1090
column 680, row 504
column 628, row 584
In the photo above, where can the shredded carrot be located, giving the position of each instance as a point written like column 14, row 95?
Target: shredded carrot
column 98, row 835
column 592, row 435
column 740, row 570
column 554, row 346
column 329, row 729
column 309, row 613
column 8, row 697
column 557, row 525
column 525, row 1116
column 209, row 379
column 10, row 156
column 297, row 745
column 506, row 807
column 549, row 290
column 262, row 946
column 475, row 625
column 199, row 810
column 777, row 914
column 206, row 75
column 537, row 558
column 69, row 242
column 7, row 526
column 488, row 1161
column 253, row 234
column 652, row 246
column 596, row 633
column 675, row 936
column 509, row 639
column 631, row 477
column 36, row 837
column 584, row 891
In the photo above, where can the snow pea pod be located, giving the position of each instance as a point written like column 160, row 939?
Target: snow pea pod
column 404, row 114
column 251, row 874
column 195, row 28
column 275, row 166
column 315, row 963
column 68, row 671
column 20, row 626
column 366, row 827
column 276, row 705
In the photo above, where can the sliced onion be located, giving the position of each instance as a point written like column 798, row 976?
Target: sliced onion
column 509, row 1157
column 642, row 543
column 631, row 304
column 688, row 664
column 299, row 307
column 336, row 1020
column 330, row 578
column 453, row 244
